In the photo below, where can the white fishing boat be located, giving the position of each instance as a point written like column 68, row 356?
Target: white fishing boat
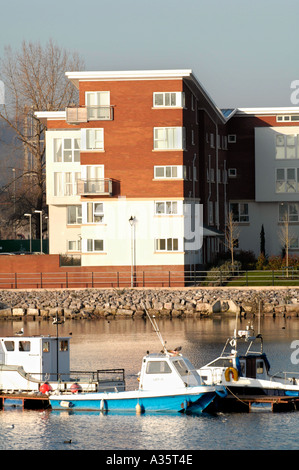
column 167, row 382
column 244, row 369
column 40, row 364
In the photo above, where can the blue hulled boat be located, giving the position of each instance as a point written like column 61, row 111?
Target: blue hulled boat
column 168, row 382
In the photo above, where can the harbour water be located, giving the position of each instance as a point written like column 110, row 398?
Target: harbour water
column 121, row 343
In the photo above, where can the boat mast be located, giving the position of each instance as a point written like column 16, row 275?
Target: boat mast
column 156, row 330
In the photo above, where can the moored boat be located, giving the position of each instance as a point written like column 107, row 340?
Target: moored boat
column 244, row 369
column 168, row 382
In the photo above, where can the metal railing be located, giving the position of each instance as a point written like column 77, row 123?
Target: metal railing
column 146, row 278
column 101, row 186
column 77, row 114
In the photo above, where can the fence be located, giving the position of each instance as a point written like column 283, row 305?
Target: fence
column 66, row 279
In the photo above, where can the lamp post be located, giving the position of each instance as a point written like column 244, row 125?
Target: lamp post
column 41, row 229
column 29, row 215
column 14, row 200
column 132, row 223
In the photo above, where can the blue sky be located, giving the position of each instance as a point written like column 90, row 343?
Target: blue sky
column 244, row 52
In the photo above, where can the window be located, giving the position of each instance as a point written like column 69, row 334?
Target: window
column 167, row 244
column 66, row 183
column 232, row 138
column 66, row 150
column 287, row 146
column 168, row 99
column 95, row 212
column 293, row 118
column 46, row 346
column 166, row 208
column 158, row 367
column 168, row 172
column 9, row 345
column 74, row 215
column 294, row 243
column 98, row 105
column 63, row 345
column 169, row 138
column 288, row 212
column 74, row 245
column 232, row 172
column 94, row 139
column 181, row 367
column 24, row 346
column 259, row 367
column 287, row 180
column 240, row 211
column 95, row 245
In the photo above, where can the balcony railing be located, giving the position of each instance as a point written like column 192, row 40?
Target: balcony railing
column 77, row 114
column 90, row 187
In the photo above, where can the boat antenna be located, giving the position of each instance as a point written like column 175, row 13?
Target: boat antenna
column 156, row 330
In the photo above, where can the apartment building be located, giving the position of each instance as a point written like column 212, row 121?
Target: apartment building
column 263, row 177
column 136, row 174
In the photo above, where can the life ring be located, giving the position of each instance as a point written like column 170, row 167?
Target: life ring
column 231, row 371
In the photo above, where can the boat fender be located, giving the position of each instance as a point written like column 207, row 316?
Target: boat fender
column 76, row 388
column 45, row 388
column 139, row 409
column 103, row 405
column 231, row 371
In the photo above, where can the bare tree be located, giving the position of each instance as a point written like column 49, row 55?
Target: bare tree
column 231, row 235
column 34, row 80
column 285, row 236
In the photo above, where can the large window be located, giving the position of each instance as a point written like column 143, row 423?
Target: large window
column 92, row 139
column 168, row 99
column 66, row 183
column 74, row 245
column 169, row 138
column 167, row 244
column 66, row 150
column 288, row 212
column 175, row 171
column 240, row 211
column 95, row 245
column 166, row 208
column 74, row 215
column 98, row 105
column 287, row 180
column 287, row 146
column 95, row 212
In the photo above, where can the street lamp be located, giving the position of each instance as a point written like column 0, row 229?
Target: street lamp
column 29, row 215
column 132, row 223
column 41, row 229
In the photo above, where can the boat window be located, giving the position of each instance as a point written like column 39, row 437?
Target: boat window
column 259, row 367
column 158, row 367
column 9, row 345
column 64, row 345
column 46, row 346
column 24, row 346
column 222, row 362
column 181, row 367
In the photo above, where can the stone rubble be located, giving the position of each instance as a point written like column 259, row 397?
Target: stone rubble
column 98, row 303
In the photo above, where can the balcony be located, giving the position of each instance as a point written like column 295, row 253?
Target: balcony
column 95, row 187
column 78, row 114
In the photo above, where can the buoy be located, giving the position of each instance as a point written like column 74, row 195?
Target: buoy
column 45, row 388
column 75, row 388
column 138, row 408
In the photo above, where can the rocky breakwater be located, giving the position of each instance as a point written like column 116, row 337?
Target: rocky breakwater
column 196, row 302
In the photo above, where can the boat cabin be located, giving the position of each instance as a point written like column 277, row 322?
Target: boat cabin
column 160, row 371
column 43, row 357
